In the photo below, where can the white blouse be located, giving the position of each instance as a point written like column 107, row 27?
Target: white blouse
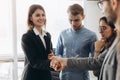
column 41, row 36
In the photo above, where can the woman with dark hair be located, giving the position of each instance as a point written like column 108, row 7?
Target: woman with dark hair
column 36, row 44
column 108, row 34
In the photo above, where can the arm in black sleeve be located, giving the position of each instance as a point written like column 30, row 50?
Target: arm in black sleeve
column 30, row 53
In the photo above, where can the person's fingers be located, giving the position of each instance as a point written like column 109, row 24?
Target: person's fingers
column 50, row 56
column 58, row 63
column 103, row 39
column 54, row 63
column 57, row 66
column 115, row 29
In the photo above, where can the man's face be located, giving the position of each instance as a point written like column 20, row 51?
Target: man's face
column 108, row 10
column 76, row 21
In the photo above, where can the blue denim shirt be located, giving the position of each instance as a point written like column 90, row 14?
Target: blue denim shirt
column 75, row 44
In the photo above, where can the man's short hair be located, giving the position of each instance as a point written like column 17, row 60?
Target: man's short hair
column 76, row 9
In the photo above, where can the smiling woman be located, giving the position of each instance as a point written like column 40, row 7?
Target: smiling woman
column 36, row 45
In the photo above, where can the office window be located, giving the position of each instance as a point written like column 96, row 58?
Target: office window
column 5, row 28
column 6, row 50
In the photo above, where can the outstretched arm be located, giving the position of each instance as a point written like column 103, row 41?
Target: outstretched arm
column 77, row 63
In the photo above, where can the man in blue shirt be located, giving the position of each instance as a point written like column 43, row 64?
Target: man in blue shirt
column 76, row 41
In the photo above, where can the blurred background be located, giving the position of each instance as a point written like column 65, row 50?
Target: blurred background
column 13, row 17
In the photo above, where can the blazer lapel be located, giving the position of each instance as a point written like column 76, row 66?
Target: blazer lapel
column 47, row 41
column 110, row 51
column 38, row 41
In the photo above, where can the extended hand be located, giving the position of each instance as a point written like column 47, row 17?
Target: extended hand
column 58, row 63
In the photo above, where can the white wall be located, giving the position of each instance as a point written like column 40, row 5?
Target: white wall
column 93, row 14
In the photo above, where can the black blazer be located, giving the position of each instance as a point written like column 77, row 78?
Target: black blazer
column 36, row 57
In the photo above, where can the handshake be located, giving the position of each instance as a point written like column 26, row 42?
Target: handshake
column 57, row 63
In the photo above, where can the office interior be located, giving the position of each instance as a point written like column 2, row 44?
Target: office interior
column 13, row 19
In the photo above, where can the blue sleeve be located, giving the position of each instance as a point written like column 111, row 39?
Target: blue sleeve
column 59, row 47
column 92, row 44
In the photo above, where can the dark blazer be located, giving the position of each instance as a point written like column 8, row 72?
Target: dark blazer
column 36, row 56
